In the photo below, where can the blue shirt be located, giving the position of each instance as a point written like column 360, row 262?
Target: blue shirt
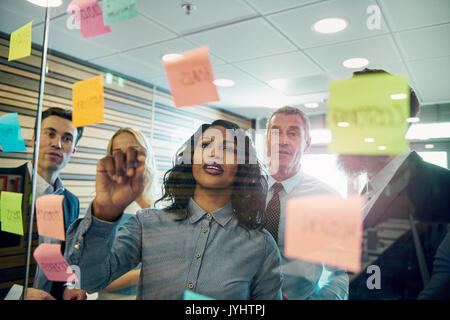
column 208, row 253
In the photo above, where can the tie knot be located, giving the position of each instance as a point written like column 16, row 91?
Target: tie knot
column 277, row 187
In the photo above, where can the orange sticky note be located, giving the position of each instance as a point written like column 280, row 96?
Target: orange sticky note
column 50, row 216
column 52, row 262
column 325, row 229
column 88, row 102
column 191, row 78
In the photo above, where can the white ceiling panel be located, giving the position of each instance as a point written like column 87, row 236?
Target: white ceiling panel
column 270, row 6
column 432, row 78
column 298, row 23
column 435, row 42
column 379, row 51
column 208, row 13
column 152, row 54
column 228, row 71
column 246, row 40
column 407, row 14
column 287, row 65
column 128, row 66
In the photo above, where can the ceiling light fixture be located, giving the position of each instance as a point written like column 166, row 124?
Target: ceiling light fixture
column 46, row 3
column 429, row 146
column 413, row 119
column 398, row 96
column 355, row 63
column 223, row 82
column 311, row 105
column 170, row 56
column 330, row 25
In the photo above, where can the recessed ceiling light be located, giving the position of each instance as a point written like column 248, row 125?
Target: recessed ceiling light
column 355, row 63
column 46, row 3
column 398, row 96
column 311, row 105
column 223, row 82
column 413, row 119
column 343, row 124
column 330, row 25
column 369, row 140
column 279, row 84
column 170, row 56
column 429, row 146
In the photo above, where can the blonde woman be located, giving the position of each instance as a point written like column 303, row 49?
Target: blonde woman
column 124, row 287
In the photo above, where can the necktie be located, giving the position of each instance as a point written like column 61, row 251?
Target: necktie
column 273, row 211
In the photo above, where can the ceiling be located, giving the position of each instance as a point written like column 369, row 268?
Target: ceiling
column 254, row 41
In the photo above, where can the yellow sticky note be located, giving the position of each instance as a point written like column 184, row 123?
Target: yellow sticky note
column 11, row 212
column 20, row 43
column 88, row 102
column 367, row 114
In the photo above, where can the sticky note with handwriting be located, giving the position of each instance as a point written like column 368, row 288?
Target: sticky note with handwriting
column 11, row 212
column 325, row 229
column 191, row 78
column 50, row 216
column 367, row 114
column 88, row 17
column 20, row 42
column 52, row 262
column 88, row 102
column 11, row 139
column 118, row 10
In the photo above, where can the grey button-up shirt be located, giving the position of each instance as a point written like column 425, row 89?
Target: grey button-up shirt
column 209, row 253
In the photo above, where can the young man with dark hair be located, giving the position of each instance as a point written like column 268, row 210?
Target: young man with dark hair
column 58, row 143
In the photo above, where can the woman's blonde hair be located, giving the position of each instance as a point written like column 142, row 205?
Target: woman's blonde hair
column 150, row 175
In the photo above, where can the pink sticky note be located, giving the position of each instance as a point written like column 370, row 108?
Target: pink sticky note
column 88, row 17
column 191, row 78
column 50, row 216
column 325, row 229
column 52, row 262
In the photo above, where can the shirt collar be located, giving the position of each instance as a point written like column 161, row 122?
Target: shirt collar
column 381, row 179
column 43, row 187
column 288, row 184
column 222, row 215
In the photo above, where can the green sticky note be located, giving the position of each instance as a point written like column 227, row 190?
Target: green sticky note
column 20, row 43
column 367, row 114
column 118, row 10
column 11, row 212
column 191, row 295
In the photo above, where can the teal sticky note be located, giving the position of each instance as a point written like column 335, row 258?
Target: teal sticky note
column 118, row 10
column 190, row 295
column 10, row 135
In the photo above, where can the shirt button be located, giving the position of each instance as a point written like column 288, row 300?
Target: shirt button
column 208, row 215
column 198, row 255
column 77, row 246
column 87, row 223
column 190, row 285
column 205, row 230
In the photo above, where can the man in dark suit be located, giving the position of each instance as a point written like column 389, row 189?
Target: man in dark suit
column 405, row 216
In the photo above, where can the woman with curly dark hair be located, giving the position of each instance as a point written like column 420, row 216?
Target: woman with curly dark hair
column 209, row 238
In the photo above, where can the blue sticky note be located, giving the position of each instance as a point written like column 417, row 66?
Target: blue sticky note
column 10, row 134
column 190, row 295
